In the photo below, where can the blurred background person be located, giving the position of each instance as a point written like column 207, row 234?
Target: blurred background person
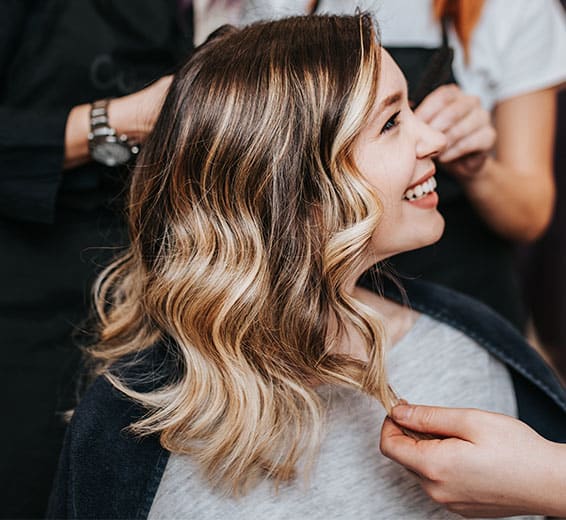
column 61, row 198
column 543, row 263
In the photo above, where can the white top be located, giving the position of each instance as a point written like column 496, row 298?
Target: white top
column 433, row 364
column 518, row 46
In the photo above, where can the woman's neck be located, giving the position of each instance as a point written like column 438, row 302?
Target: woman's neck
column 397, row 321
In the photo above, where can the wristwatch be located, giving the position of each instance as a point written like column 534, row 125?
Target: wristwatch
column 105, row 145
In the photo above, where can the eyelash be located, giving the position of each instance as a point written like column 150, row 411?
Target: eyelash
column 392, row 122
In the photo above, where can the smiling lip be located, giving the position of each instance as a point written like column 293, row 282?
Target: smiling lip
column 427, row 202
column 422, row 179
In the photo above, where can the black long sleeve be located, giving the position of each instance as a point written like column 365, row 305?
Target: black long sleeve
column 31, row 140
column 57, row 54
column 31, row 161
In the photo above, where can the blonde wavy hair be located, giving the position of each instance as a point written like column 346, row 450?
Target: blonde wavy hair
column 247, row 217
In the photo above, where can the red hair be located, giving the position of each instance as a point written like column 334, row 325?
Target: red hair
column 465, row 15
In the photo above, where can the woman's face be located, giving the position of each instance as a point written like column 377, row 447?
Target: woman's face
column 394, row 152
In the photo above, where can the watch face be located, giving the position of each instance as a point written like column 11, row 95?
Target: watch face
column 111, row 154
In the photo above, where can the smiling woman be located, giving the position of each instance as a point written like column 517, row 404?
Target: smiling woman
column 394, row 152
column 239, row 340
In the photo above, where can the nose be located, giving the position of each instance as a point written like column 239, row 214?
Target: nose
column 430, row 142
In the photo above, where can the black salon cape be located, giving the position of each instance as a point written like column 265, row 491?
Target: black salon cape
column 105, row 472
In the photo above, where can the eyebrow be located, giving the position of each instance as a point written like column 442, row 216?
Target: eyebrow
column 392, row 99
column 396, row 97
column 389, row 100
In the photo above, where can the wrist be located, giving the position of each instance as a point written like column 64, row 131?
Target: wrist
column 541, row 472
column 476, row 184
column 107, row 144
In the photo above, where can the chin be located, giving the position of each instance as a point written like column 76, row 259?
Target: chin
column 438, row 230
column 432, row 234
column 424, row 235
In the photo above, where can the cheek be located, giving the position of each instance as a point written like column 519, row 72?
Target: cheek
column 385, row 237
column 391, row 176
column 390, row 188
column 389, row 170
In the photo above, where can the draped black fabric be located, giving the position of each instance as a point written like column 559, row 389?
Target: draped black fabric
column 106, row 472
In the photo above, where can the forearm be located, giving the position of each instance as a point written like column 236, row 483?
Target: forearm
column 551, row 496
column 31, row 155
column 121, row 116
column 516, row 205
column 76, row 137
column 133, row 115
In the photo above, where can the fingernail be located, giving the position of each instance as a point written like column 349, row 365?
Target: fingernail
column 401, row 412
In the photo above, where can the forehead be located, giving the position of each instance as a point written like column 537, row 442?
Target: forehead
column 391, row 79
column 391, row 88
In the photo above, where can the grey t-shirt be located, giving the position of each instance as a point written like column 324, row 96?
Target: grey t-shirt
column 432, row 364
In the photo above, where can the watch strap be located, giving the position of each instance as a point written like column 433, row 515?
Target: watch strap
column 101, row 133
column 99, row 124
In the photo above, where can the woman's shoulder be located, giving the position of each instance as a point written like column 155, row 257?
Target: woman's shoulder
column 451, row 307
column 113, row 471
column 104, row 405
column 103, row 414
column 541, row 397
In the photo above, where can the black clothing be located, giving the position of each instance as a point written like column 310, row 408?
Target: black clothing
column 469, row 257
column 58, row 228
column 105, row 472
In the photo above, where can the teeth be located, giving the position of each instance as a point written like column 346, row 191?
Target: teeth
column 420, row 190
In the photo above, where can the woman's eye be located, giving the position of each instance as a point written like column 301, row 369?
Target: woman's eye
column 392, row 122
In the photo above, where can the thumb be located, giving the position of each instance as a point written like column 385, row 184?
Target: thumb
column 446, row 422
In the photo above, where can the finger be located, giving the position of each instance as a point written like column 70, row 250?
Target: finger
column 451, row 114
column 436, row 101
column 469, row 124
column 391, row 429
column 395, row 444
column 447, row 422
column 481, row 141
column 410, row 453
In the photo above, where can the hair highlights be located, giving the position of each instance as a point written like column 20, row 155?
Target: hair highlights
column 247, row 217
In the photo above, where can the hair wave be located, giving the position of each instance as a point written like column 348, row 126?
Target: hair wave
column 247, row 217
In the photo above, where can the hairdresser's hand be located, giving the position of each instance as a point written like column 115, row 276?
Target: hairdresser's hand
column 133, row 115
column 466, row 125
column 483, row 465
